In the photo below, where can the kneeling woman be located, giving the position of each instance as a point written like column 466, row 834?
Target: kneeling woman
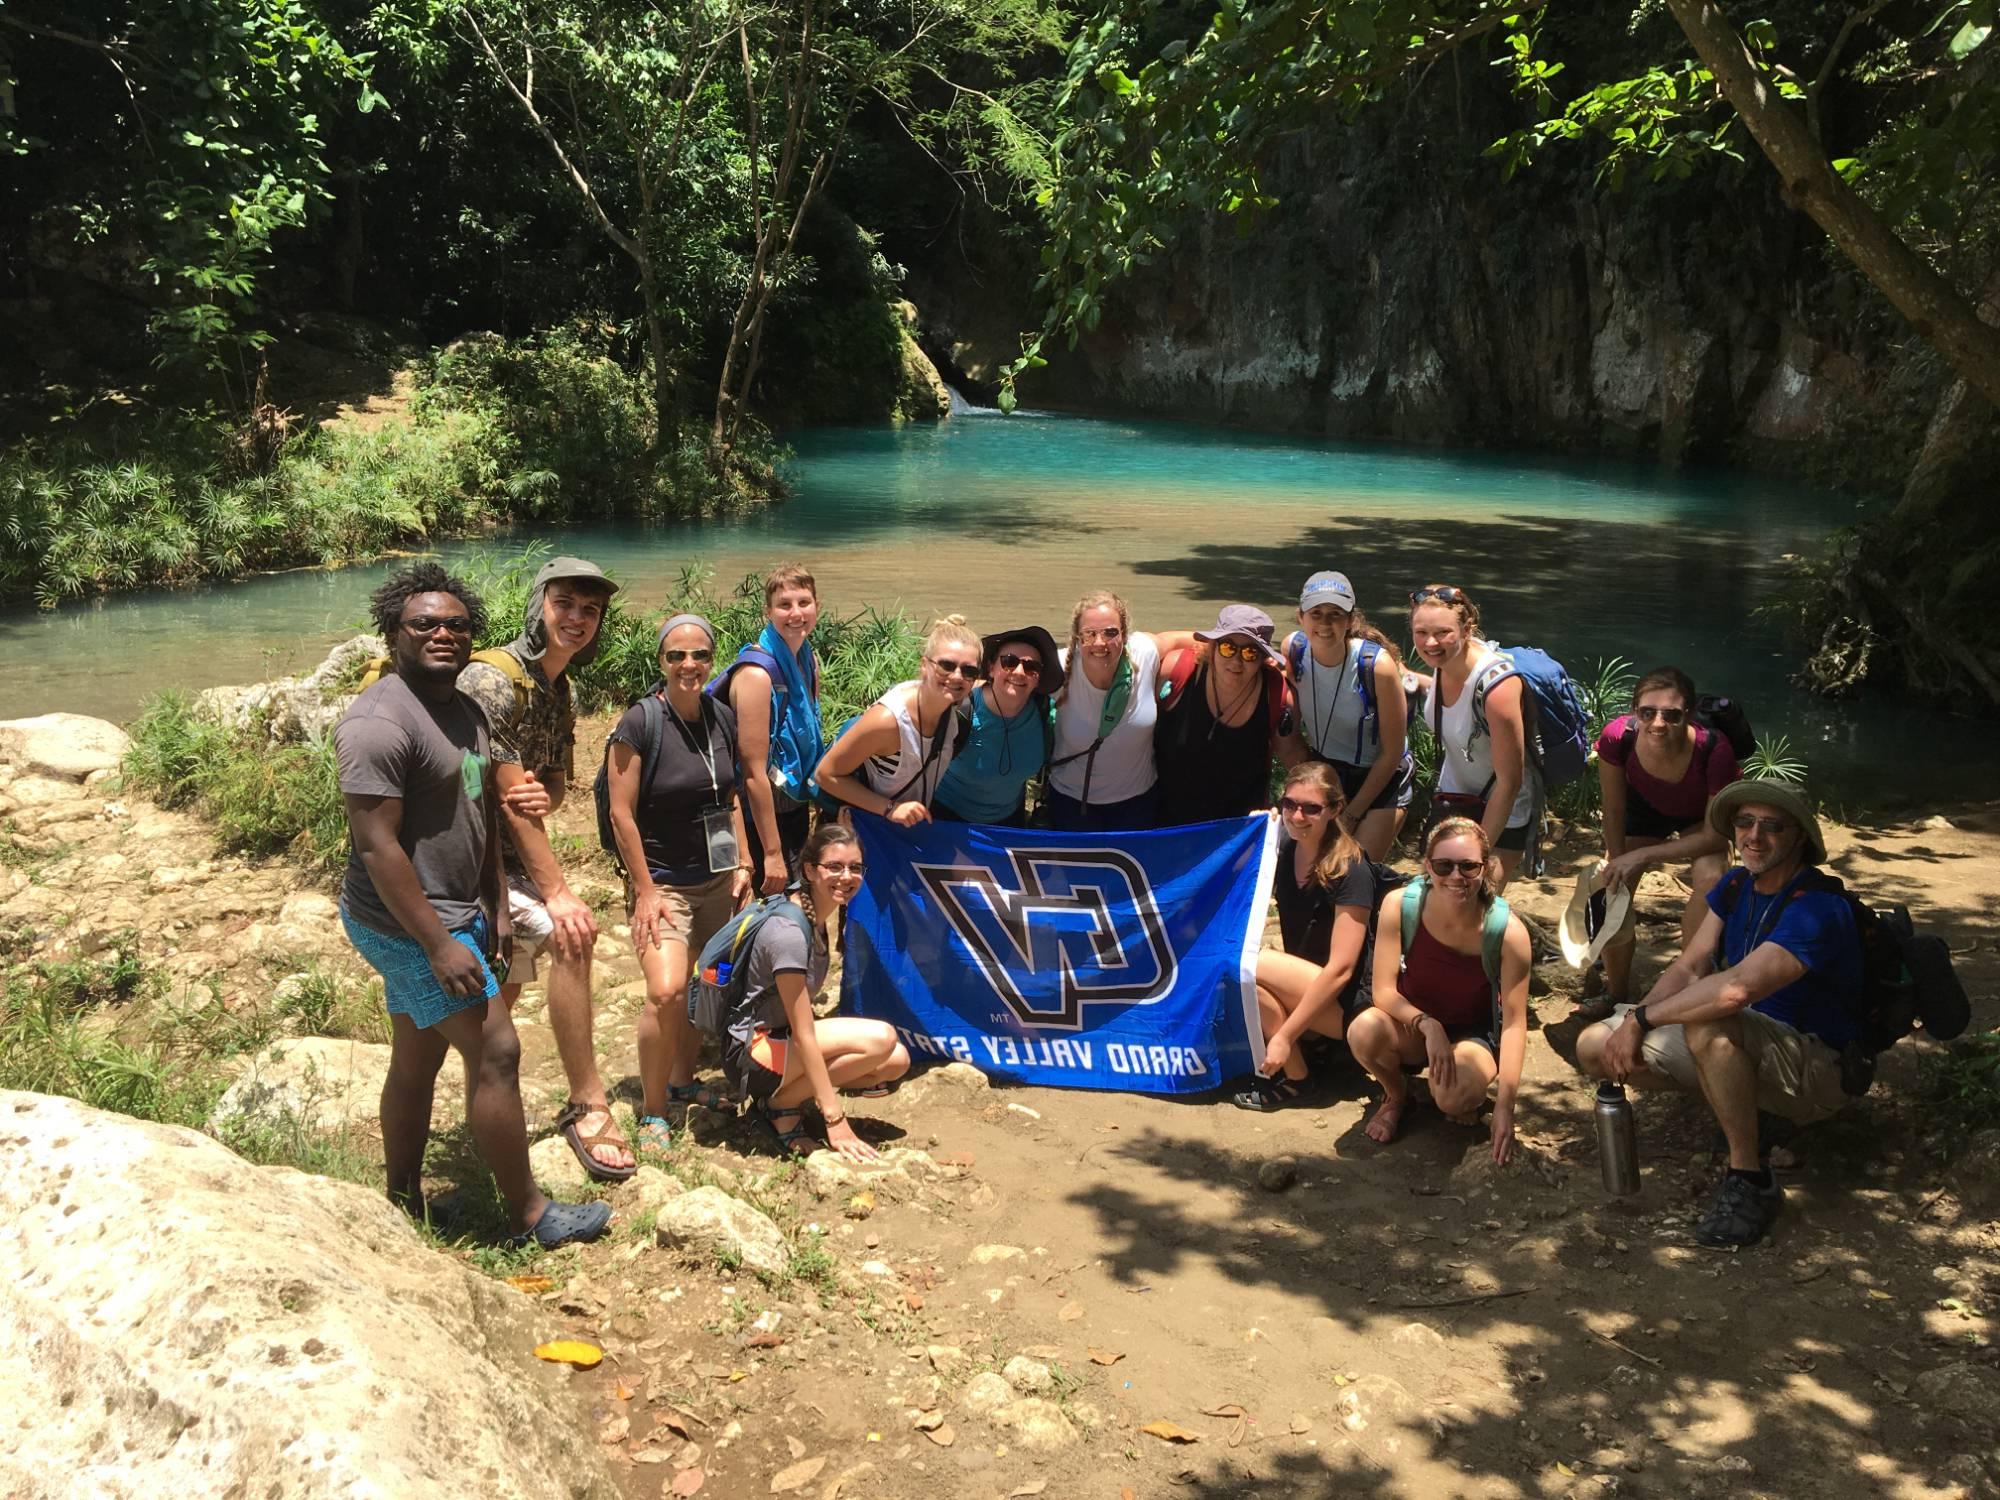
column 790, row 1058
column 1326, row 891
column 1451, row 990
column 892, row 759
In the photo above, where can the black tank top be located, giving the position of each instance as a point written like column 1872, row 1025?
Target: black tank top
column 1208, row 770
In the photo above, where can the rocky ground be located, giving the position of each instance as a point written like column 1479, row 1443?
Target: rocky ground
column 1065, row 1293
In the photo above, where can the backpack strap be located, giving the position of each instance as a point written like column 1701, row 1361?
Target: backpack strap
column 1493, row 940
column 1277, row 700
column 1364, row 684
column 510, row 666
column 1629, row 741
column 1495, row 670
column 1413, row 909
column 1295, row 653
column 1175, row 674
column 652, row 738
column 936, row 748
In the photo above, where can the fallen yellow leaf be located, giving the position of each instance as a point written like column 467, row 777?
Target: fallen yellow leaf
column 1168, row 1432
column 571, row 1352
column 534, row 1286
column 1105, row 1356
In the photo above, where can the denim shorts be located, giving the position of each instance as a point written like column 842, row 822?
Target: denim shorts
column 409, row 986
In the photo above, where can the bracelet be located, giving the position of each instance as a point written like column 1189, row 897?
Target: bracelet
column 839, row 1119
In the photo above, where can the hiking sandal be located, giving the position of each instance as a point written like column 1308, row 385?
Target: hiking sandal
column 699, row 1093
column 569, row 1124
column 1740, row 1214
column 1266, row 1094
column 652, row 1134
column 565, row 1224
column 788, row 1140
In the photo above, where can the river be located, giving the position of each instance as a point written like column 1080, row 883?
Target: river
column 1007, row 520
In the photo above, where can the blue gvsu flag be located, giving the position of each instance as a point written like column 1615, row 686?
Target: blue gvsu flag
column 1101, row 961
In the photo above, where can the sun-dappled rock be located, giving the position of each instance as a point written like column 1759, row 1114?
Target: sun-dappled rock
column 182, row 1323
column 708, row 1221
column 1036, row 1424
column 897, row 1173
column 947, row 1078
column 65, row 746
column 986, row 1393
column 555, row 1168
column 323, row 1084
column 1028, row 1376
column 648, row 1189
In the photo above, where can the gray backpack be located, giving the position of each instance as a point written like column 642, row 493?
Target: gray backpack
column 716, row 989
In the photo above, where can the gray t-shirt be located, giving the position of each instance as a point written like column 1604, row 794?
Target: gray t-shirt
column 780, row 947
column 434, row 756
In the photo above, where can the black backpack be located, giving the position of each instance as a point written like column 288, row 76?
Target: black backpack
column 652, row 738
column 1725, row 718
column 1907, row 978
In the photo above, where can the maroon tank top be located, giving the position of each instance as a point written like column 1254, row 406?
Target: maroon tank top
column 1446, row 984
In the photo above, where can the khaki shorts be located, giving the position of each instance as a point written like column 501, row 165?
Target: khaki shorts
column 694, row 912
column 532, row 928
column 1798, row 1075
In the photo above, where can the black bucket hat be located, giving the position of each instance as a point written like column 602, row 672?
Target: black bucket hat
column 1052, row 669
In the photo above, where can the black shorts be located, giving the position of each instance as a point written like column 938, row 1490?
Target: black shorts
column 1456, row 1034
column 1514, row 839
column 1402, row 786
column 1645, row 821
column 757, row 1067
column 794, row 828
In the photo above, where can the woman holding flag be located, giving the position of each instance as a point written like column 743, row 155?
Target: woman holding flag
column 1101, row 776
column 773, row 688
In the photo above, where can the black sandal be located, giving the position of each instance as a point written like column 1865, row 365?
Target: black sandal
column 1276, row 1092
column 699, row 1093
column 788, row 1140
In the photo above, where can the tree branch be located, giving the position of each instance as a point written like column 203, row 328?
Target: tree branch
column 1856, row 19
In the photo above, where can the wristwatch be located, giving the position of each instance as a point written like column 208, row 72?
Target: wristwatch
column 1639, row 1015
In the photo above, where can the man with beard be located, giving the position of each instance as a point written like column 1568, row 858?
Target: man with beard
column 1756, row 1010
column 422, row 900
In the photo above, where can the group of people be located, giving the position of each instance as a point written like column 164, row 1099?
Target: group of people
column 721, row 790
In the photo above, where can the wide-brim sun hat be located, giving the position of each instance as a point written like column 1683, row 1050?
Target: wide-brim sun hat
column 1787, row 797
column 1593, row 917
column 1051, row 680
column 1243, row 619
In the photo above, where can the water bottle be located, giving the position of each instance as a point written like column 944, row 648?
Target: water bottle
column 1617, row 1141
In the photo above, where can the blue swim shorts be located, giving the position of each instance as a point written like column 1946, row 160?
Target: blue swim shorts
column 408, row 984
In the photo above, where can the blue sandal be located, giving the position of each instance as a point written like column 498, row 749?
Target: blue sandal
column 698, row 1093
column 566, row 1224
column 652, row 1133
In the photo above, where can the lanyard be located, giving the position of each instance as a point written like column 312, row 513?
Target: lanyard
column 1324, row 724
column 704, row 747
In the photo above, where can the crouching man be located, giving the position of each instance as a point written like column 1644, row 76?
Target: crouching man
column 1755, row 1011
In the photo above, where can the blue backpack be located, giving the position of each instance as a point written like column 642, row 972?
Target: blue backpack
column 1556, row 722
column 1364, row 685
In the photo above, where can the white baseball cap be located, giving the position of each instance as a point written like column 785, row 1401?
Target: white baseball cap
column 1327, row 588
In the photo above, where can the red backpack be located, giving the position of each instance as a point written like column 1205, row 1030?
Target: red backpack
column 1178, row 669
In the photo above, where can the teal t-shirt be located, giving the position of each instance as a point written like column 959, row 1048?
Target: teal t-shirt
column 985, row 781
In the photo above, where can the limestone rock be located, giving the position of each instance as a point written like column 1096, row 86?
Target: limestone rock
column 1960, row 1389
column 1028, row 1376
column 1036, row 1424
column 946, row 1359
column 183, row 1323
column 955, row 1075
column 897, row 1174
column 986, row 1255
column 986, row 1393
column 1277, row 1174
column 649, row 1189
column 294, row 709
column 709, row 1221
column 68, row 746
column 556, row 1170
column 326, row 1084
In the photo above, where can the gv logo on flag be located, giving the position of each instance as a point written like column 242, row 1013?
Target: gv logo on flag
column 1082, row 922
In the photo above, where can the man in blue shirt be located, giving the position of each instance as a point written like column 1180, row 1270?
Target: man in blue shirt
column 1755, row 1011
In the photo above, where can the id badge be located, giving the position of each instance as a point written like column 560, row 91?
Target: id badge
column 719, row 828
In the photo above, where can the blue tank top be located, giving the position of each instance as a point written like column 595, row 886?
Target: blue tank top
column 986, row 780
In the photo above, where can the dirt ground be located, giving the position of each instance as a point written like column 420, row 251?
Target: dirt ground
column 1399, row 1321
column 1402, row 1321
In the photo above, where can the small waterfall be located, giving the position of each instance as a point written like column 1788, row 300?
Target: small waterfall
column 960, row 407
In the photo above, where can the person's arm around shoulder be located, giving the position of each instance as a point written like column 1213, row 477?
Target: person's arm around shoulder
column 750, row 697
column 1516, row 959
column 1166, row 642
column 874, row 733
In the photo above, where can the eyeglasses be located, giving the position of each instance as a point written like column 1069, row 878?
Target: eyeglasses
column 856, row 869
column 1303, row 809
column 1248, row 650
column 1007, row 661
column 1444, row 593
column 1648, row 713
column 1444, row 869
column 1744, row 822
column 432, row 624
column 676, row 656
column 1105, row 636
column 966, row 669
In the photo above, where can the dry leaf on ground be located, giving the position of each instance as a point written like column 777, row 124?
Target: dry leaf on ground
column 1071, row 1312
column 1032, row 1487
column 623, row 1392
column 1170, row 1433
column 943, row 1436
column 534, row 1286
column 797, row 1476
column 571, row 1352
column 1239, row 1420
column 1106, row 1356
column 616, row 1430
column 685, row 1483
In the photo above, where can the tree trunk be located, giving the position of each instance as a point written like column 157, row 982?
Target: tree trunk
column 1939, row 314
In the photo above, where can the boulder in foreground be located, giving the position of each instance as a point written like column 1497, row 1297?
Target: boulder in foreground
column 67, row 746
column 178, row 1322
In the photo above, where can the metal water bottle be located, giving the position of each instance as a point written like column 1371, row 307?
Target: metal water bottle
column 1617, row 1140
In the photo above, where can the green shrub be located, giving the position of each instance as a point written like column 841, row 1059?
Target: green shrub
column 51, row 1045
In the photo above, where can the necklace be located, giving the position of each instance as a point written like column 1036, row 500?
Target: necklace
column 1218, row 714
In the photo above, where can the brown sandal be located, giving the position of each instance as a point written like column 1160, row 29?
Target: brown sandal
column 570, row 1122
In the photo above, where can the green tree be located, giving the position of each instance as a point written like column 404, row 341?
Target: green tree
column 183, row 135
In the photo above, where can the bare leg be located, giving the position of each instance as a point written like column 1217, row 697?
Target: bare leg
column 1377, row 831
column 1282, row 982
column 1509, row 860
column 668, row 1042
column 1618, row 955
column 1729, row 1082
column 415, row 1055
column 484, row 1036
column 858, row 1054
column 1378, row 1044
column 1475, row 1069
column 569, row 1019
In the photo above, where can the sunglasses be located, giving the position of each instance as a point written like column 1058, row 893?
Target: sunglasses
column 1303, row 809
column 856, row 869
column 1009, row 662
column 676, row 656
column 1444, row 593
column 432, row 624
column 1248, row 650
column 1444, row 869
column 1665, row 715
column 969, row 670
column 1107, row 635
column 1744, row 822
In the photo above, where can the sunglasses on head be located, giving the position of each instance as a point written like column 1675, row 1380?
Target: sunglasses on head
column 1443, row 593
column 1647, row 713
column 432, row 624
column 969, row 670
column 1009, row 661
column 1445, row 868
column 1248, row 650
column 674, row 656
column 1303, row 809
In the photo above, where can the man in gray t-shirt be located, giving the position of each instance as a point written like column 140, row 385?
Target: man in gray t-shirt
column 422, row 892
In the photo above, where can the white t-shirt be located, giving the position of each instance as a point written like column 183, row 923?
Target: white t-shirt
column 1124, row 765
column 1467, row 758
